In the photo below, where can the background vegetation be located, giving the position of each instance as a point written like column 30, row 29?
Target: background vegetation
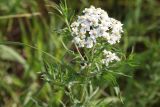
column 38, row 24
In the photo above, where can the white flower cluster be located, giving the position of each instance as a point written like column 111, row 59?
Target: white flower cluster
column 109, row 57
column 93, row 24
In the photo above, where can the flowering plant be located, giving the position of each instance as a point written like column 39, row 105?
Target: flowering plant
column 93, row 35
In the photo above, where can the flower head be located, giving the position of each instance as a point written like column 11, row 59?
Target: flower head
column 109, row 57
column 94, row 24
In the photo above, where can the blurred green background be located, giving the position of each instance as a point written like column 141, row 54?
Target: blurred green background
column 34, row 22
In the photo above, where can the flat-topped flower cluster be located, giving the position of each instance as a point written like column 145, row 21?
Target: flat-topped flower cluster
column 95, row 24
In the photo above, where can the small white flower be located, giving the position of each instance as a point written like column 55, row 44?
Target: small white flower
column 75, row 24
column 77, row 40
column 109, row 57
column 89, row 43
column 93, row 33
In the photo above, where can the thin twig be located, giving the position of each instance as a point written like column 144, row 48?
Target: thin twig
column 79, row 51
column 27, row 15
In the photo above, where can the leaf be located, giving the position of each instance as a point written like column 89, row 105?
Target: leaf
column 112, row 79
column 117, row 91
column 7, row 53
